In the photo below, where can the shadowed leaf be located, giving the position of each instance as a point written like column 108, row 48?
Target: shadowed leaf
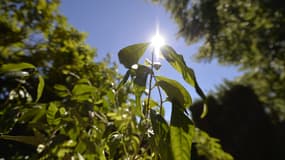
column 181, row 133
column 130, row 55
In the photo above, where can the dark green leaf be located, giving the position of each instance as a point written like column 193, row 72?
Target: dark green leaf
column 32, row 140
column 175, row 91
column 16, row 67
column 125, row 79
column 141, row 74
column 181, row 133
column 161, row 136
column 131, row 54
column 40, row 88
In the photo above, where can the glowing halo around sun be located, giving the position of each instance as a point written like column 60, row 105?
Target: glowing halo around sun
column 157, row 42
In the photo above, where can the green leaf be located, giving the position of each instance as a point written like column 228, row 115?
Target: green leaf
column 131, row 54
column 205, row 110
column 32, row 140
column 161, row 138
column 178, row 63
column 181, row 133
column 40, row 88
column 125, row 79
column 175, row 91
column 10, row 67
column 80, row 89
column 51, row 113
column 61, row 90
column 60, row 87
column 141, row 74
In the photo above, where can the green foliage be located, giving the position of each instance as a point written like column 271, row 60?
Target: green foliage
column 57, row 103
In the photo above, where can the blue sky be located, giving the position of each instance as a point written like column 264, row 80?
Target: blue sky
column 112, row 25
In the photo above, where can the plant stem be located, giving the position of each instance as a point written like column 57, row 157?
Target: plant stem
column 150, row 83
column 160, row 97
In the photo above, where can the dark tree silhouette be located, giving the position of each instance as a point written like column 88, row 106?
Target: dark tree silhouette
column 239, row 120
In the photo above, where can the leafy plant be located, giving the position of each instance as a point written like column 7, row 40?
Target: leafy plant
column 174, row 140
column 57, row 103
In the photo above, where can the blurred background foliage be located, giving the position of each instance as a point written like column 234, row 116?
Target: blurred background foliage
column 247, row 114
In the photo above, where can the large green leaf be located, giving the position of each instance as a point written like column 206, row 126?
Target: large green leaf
column 175, row 91
column 161, row 138
column 32, row 140
column 10, row 67
column 177, row 62
column 181, row 133
column 130, row 55
column 40, row 89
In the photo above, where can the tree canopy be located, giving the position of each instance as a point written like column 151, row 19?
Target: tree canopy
column 245, row 33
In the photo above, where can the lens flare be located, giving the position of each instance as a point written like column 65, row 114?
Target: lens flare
column 157, row 42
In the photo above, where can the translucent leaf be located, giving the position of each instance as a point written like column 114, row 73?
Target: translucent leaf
column 131, row 54
column 175, row 91
column 181, row 133
column 40, row 88
column 178, row 63
column 16, row 67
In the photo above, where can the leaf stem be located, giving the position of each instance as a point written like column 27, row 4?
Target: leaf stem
column 160, row 97
column 150, row 83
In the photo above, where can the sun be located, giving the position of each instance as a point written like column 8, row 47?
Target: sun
column 157, row 42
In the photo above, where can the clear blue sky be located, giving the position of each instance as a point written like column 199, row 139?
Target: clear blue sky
column 112, row 25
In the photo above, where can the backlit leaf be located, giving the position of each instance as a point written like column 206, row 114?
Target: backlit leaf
column 131, row 54
column 16, row 67
column 40, row 88
column 175, row 91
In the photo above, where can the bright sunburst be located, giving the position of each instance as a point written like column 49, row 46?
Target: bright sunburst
column 157, row 42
